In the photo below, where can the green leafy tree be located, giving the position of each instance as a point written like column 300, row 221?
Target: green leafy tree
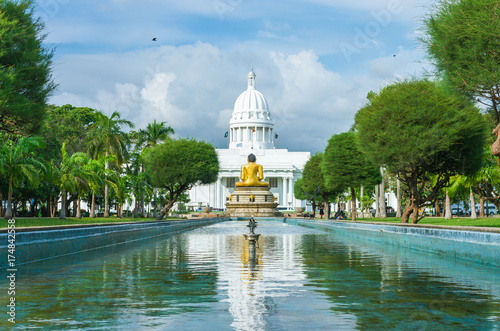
column 300, row 193
column 177, row 165
column 313, row 179
column 68, row 125
column 298, row 190
column 416, row 129
column 344, row 166
column 25, row 65
column 106, row 138
column 462, row 39
column 19, row 164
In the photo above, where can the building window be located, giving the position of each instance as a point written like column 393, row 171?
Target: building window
column 231, row 182
column 273, row 182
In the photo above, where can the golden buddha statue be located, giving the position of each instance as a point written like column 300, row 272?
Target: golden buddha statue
column 252, row 174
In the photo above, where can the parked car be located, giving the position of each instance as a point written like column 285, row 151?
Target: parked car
column 457, row 211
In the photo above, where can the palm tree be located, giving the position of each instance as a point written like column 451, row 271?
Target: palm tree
column 121, row 186
column 19, row 164
column 154, row 134
column 106, row 139
column 71, row 176
column 92, row 171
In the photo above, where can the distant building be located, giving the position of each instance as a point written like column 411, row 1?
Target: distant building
column 251, row 130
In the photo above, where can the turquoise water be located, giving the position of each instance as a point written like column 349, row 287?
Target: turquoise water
column 299, row 279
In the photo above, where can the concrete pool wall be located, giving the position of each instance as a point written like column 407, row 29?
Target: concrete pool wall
column 477, row 245
column 34, row 244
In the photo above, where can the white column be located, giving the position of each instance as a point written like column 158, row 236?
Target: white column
column 290, row 191
column 218, row 193
column 211, row 194
column 285, row 191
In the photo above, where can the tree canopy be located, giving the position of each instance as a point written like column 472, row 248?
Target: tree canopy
column 314, row 179
column 418, row 127
column 25, row 66
column 463, row 40
column 179, row 164
column 345, row 167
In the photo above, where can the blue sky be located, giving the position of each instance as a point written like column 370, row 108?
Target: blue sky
column 315, row 60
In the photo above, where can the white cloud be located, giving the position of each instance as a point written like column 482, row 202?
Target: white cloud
column 193, row 88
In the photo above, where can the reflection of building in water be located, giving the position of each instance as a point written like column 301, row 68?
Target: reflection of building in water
column 252, row 287
column 251, row 130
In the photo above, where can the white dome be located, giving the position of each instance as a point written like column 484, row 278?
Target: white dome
column 251, row 126
column 250, row 100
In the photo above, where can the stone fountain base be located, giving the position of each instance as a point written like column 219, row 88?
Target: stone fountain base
column 252, row 201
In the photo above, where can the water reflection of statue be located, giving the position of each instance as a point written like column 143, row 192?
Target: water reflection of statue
column 252, row 174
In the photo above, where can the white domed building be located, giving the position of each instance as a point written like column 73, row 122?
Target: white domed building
column 251, row 130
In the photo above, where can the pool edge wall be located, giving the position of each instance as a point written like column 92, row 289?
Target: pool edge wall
column 475, row 246
column 42, row 244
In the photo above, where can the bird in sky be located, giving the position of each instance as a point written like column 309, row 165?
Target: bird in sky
column 154, row 39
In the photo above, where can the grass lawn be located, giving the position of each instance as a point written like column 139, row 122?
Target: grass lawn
column 455, row 221
column 27, row 222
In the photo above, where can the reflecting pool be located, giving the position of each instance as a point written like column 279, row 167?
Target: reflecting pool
column 299, row 279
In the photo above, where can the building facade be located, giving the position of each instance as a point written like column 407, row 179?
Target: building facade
column 251, row 131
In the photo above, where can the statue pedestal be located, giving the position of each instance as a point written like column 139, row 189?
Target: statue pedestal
column 248, row 201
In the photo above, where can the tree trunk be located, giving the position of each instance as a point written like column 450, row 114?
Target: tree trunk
column 383, row 212
column 142, row 205
column 414, row 216
column 481, row 207
column 377, row 199
column 74, row 199
column 53, row 207
column 106, row 193
column 406, row 214
column 398, row 198
column 78, row 212
column 156, row 204
column 68, row 213
column 106, row 202
column 62, row 214
column 436, row 205
column 353, row 204
column 165, row 210
column 411, row 207
column 447, row 207
column 361, row 195
column 92, row 209
column 136, row 206
column 473, row 214
column 8, row 212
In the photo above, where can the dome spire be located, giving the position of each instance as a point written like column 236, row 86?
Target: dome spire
column 251, row 78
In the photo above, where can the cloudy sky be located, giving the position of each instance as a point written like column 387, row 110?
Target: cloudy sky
column 315, row 60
